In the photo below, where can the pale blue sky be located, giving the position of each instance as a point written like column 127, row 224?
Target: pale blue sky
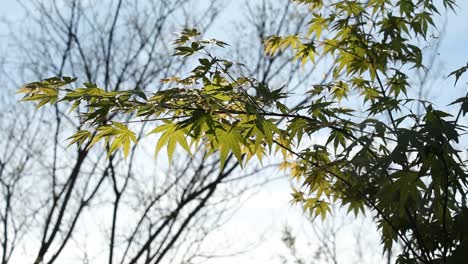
column 254, row 219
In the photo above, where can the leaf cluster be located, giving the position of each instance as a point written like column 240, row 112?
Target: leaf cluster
column 406, row 167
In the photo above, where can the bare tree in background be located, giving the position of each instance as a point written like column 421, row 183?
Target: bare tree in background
column 129, row 209
column 76, row 205
column 17, row 152
column 340, row 239
column 61, row 205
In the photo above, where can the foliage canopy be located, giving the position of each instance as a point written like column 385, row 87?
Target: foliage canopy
column 409, row 171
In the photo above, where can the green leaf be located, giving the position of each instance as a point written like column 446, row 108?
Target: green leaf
column 172, row 135
column 458, row 73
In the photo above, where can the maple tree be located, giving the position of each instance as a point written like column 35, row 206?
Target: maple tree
column 409, row 171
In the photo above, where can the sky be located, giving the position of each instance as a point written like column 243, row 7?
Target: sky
column 257, row 225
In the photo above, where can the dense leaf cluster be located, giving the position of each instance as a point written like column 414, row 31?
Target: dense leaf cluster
column 407, row 167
